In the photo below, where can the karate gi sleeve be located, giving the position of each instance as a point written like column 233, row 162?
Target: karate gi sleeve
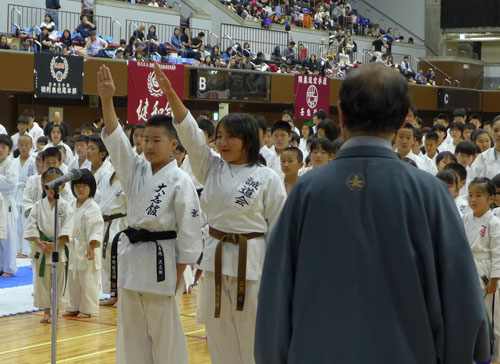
column 66, row 221
column 193, row 139
column 31, row 230
column 9, row 180
column 274, row 199
column 459, row 316
column 274, row 312
column 94, row 225
column 3, row 219
column 124, row 159
column 187, row 215
column 29, row 194
column 494, row 231
column 478, row 167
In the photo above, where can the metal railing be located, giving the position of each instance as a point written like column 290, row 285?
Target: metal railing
column 448, row 80
column 163, row 31
column 20, row 16
column 261, row 40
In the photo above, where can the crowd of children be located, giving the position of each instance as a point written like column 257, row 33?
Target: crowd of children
column 171, row 194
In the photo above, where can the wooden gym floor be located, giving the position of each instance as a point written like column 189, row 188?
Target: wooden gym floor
column 24, row 340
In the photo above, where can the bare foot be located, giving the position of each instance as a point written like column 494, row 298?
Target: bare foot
column 109, row 302
column 21, row 256
column 7, row 275
column 46, row 316
column 83, row 315
column 71, row 313
column 116, row 304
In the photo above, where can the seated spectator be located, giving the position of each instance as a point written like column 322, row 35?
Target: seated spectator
column 154, row 44
column 216, row 52
column 138, row 56
column 207, row 62
column 327, row 23
column 97, row 46
column 245, row 62
column 198, row 41
column 276, row 55
column 217, row 63
column 289, row 53
column 176, row 41
column 406, row 69
column 204, row 53
column 67, row 42
column 153, row 3
column 123, row 43
column 311, row 65
column 187, row 43
column 230, row 52
column 141, row 38
column 232, row 63
column 46, row 41
column 85, row 27
column 118, row 53
column 246, row 46
column 3, row 42
column 27, row 45
column 128, row 53
column 50, row 25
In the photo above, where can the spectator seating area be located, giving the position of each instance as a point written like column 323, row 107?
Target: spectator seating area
column 334, row 58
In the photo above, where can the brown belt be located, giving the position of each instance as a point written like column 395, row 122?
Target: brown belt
column 109, row 218
column 241, row 241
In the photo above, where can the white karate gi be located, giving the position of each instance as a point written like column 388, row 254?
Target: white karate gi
column 9, row 177
column 3, row 219
column 76, row 165
column 84, row 274
column 487, row 164
column 483, row 234
column 424, row 163
column 303, row 148
column 26, row 170
column 164, row 201
column 272, row 160
column 33, row 193
column 3, row 130
column 41, row 219
column 113, row 201
column 186, row 167
column 35, row 132
column 69, row 153
column 462, row 206
column 236, row 199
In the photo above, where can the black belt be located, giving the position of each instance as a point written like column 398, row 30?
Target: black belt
column 136, row 236
column 109, row 218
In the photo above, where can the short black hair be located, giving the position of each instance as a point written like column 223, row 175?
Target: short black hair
column 180, row 147
column 311, row 129
column 470, row 126
column 205, row 113
column 43, row 139
column 414, row 110
column 52, row 171
column 332, row 130
column 337, row 144
column 486, row 184
column 374, row 99
column 443, row 155
column 28, row 113
column 458, row 169
column 457, row 125
column 432, row 136
column 495, row 120
column 325, row 144
column 448, row 177
column 281, row 125
column 52, row 152
column 466, row 147
column 478, row 132
column 427, row 130
column 444, row 117
column 459, row 112
column 5, row 139
column 287, row 112
column 88, row 179
column 321, row 114
column 439, row 127
column 407, row 126
column 419, row 134
column 82, row 139
column 96, row 139
column 58, row 126
column 207, row 126
column 294, row 137
column 134, row 128
column 89, row 126
column 62, row 149
column 245, row 128
column 81, row 16
column 201, row 34
column 475, row 116
column 496, row 180
column 22, row 120
column 261, row 122
column 488, row 122
column 297, row 151
column 164, row 121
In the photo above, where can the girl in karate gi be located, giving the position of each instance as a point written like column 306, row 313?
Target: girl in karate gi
column 487, row 164
column 483, row 232
column 40, row 229
column 3, row 219
column 85, row 249
column 242, row 200
column 56, row 139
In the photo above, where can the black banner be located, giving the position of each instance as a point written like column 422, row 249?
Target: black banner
column 450, row 99
column 58, row 76
column 470, row 14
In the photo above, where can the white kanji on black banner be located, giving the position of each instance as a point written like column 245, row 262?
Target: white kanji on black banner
column 58, row 76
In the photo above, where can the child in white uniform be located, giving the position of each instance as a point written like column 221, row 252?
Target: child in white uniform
column 81, row 148
column 26, row 165
column 113, row 206
column 56, row 139
column 164, row 235
column 3, row 219
column 9, row 177
column 85, row 249
column 242, row 200
column 487, row 164
column 40, row 229
column 483, row 232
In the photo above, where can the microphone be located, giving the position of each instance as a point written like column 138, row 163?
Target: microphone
column 70, row 176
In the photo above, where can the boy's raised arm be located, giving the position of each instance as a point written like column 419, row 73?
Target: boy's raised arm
column 106, row 89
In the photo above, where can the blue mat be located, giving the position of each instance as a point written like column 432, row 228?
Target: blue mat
column 23, row 277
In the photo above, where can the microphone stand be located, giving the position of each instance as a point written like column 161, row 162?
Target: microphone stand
column 55, row 286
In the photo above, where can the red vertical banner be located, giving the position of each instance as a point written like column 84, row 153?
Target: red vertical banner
column 312, row 93
column 145, row 97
